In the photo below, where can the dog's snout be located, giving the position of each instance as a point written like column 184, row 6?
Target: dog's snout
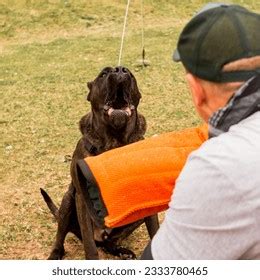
column 121, row 73
column 121, row 70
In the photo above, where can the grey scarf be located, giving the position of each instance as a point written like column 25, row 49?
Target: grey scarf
column 244, row 103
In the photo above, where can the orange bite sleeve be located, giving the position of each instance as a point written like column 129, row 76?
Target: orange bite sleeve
column 137, row 180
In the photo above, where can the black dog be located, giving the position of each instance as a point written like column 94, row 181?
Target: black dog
column 112, row 122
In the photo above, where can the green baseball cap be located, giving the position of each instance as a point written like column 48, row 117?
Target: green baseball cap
column 219, row 34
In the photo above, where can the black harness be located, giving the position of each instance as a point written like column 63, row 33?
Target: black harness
column 90, row 147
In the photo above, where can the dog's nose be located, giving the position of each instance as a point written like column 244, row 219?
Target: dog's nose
column 121, row 70
column 121, row 73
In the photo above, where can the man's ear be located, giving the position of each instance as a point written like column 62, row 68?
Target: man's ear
column 197, row 91
column 89, row 85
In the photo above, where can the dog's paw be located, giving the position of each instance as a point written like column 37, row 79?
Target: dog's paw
column 56, row 254
column 126, row 254
column 117, row 251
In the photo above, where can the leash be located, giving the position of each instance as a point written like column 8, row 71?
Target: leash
column 143, row 49
column 142, row 62
column 123, row 33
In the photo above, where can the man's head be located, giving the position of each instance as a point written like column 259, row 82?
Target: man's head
column 220, row 49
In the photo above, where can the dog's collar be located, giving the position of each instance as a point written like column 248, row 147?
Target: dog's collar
column 90, row 147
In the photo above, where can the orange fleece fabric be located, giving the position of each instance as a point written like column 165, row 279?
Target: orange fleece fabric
column 137, row 180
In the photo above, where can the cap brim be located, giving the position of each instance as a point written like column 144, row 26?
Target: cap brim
column 176, row 56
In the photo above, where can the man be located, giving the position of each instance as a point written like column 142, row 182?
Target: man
column 214, row 212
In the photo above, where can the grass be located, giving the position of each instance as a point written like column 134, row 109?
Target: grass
column 48, row 51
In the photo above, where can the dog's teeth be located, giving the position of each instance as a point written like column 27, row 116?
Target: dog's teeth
column 110, row 111
column 128, row 111
column 106, row 107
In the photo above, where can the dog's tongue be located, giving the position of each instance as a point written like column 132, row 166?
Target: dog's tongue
column 118, row 117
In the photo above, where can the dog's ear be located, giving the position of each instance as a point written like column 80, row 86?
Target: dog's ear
column 89, row 85
column 137, row 96
column 82, row 124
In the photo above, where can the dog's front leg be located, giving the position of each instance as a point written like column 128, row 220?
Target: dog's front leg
column 152, row 224
column 86, row 229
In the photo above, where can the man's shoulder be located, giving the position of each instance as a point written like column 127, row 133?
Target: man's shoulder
column 241, row 140
column 234, row 153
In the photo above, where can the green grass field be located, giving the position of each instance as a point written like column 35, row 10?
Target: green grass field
column 48, row 52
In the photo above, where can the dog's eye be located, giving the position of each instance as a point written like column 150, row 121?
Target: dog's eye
column 103, row 74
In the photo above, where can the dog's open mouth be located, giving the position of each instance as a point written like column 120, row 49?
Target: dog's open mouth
column 118, row 107
column 118, row 102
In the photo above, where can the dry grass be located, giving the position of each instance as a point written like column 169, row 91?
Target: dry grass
column 49, row 50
